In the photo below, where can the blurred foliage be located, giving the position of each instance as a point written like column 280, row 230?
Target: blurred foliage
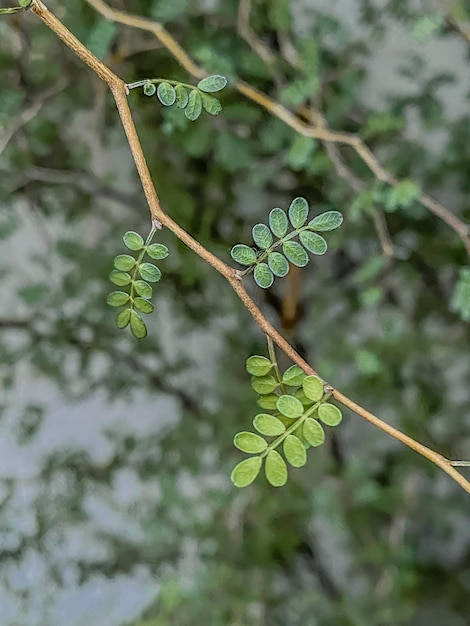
column 367, row 533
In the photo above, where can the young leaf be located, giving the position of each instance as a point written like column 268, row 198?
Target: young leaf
column 211, row 104
column 263, row 276
column 264, row 384
column 246, row 471
column 258, row 365
column 300, row 395
column 166, row 94
column 120, row 278
column 295, row 253
column 181, row 96
column 118, row 298
column 250, row 443
column 293, row 376
column 313, row 388
column 124, row 262
column 138, row 327
column 268, row 425
column 149, row 89
column 262, row 236
column 194, row 107
column 211, row 84
column 290, row 406
column 278, row 264
column 278, row 222
column 329, row 414
column 298, row 212
column 133, row 240
column 143, row 305
column 275, row 469
column 268, row 401
column 157, row 251
column 150, row 272
column 294, row 451
column 313, row 432
column 326, row 221
column 243, row 254
column 313, row 242
column 123, row 318
column 143, row 289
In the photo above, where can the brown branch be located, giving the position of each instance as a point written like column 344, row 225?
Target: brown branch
column 119, row 91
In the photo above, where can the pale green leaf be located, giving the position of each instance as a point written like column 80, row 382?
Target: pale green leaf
column 262, row 236
column 133, row 240
column 293, row 376
column 289, row 406
column 211, row 84
column 258, row 365
column 166, row 94
column 295, row 253
column 246, row 471
column 326, row 221
column 123, row 318
column 278, row 264
column 294, row 451
column 313, row 432
column 329, row 414
column 313, row 242
column 275, row 469
column 194, row 107
column 149, row 89
column 313, row 388
column 211, row 104
column 181, row 96
column 298, row 212
column 250, row 442
column 124, row 262
column 268, row 401
column 138, row 327
column 143, row 289
column 118, row 298
column 243, row 254
column 268, row 425
column 157, row 251
column 263, row 276
column 278, row 222
column 120, row 278
column 143, row 305
column 150, row 272
column 264, row 384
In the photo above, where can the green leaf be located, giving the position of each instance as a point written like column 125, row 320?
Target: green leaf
column 120, row 278
column 243, row 254
column 149, row 89
column 290, row 406
column 263, row 276
column 123, row 318
column 150, row 272
column 264, row 384
column 211, row 84
column 138, row 327
column 258, row 365
column 278, row 222
column 250, row 443
column 326, row 221
column 246, row 471
column 298, row 212
column 166, row 94
column 268, row 401
column 275, row 469
column 402, row 195
column 262, row 236
column 143, row 305
column 329, row 414
column 293, row 376
column 194, row 107
column 313, row 388
column 313, row 242
column 294, row 451
column 124, row 262
column 157, row 251
column 268, row 425
column 143, row 289
column 211, row 104
column 118, row 298
column 313, row 432
column 300, row 395
column 295, row 253
column 181, row 96
column 278, row 264
column 133, row 240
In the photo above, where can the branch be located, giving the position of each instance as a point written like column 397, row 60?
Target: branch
column 119, row 91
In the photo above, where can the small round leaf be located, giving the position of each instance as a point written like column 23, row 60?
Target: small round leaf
column 278, row 222
column 313, row 432
column 166, row 94
column 250, row 443
column 326, row 221
column 194, row 107
column 157, row 251
column 264, row 384
column 181, row 96
column 268, row 425
column 268, row 402
column 263, row 276
column 295, row 253
column 143, row 289
column 258, row 365
column 293, row 376
column 278, row 264
column 262, row 236
column 300, row 395
column 211, row 104
column 118, row 298
column 294, row 451
column 149, row 89
column 150, row 272
column 329, row 414
column 211, row 84
column 120, row 278
column 123, row 318
column 290, row 407
column 243, row 254
column 143, row 305
column 313, row 242
column 138, row 327
column 313, row 388
column 133, row 240
column 246, row 471
column 298, row 212
column 124, row 262
column 275, row 469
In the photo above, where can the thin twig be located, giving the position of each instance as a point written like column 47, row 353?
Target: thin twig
column 118, row 89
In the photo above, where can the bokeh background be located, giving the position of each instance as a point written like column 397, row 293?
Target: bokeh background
column 116, row 507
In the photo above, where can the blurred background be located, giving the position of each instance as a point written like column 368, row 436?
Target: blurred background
column 116, row 507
